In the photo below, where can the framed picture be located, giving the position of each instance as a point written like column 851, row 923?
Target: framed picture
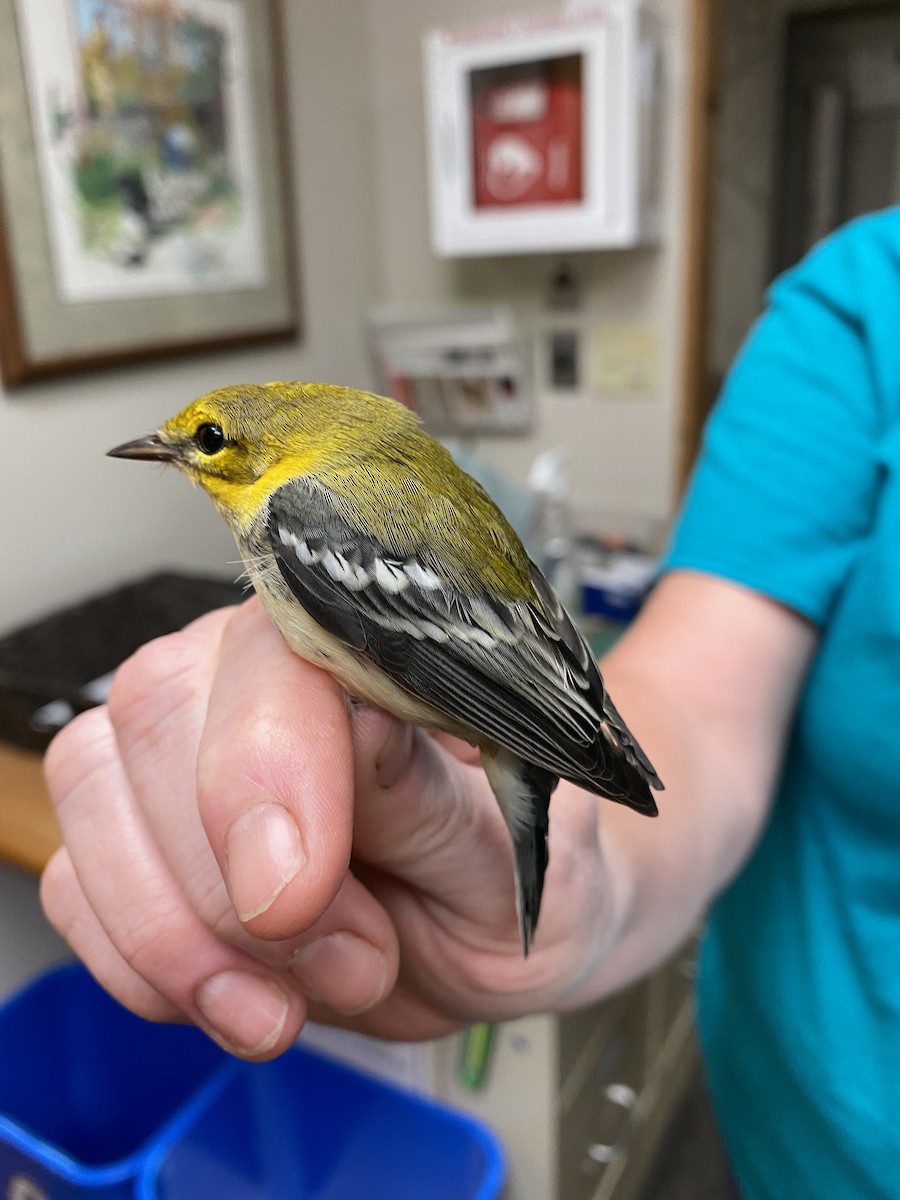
column 543, row 131
column 144, row 191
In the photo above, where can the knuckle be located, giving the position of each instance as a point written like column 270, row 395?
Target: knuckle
column 65, row 908
column 154, row 684
column 146, row 938
column 210, row 624
column 77, row 749
column 210, row 900
column 219, row 917
column 151, row 664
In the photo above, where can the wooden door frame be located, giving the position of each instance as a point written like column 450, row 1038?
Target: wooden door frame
column 704, row 74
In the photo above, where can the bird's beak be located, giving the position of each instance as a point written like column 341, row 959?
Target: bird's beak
column 151, row 448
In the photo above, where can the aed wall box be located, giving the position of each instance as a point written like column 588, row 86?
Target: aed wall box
column 544, row 132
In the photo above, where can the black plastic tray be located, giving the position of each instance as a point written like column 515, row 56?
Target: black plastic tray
column 55, row 660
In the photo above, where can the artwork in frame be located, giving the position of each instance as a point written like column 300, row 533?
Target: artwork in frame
column 144, row 191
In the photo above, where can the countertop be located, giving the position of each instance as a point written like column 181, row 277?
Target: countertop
column 28, row 830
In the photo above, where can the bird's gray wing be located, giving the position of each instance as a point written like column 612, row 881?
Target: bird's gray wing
column 515, row 671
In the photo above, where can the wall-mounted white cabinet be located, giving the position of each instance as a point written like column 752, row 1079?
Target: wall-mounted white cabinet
column 543, row 132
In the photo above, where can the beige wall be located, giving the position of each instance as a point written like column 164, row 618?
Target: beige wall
column 76, row 521
column 622, row 451
column 73, row 520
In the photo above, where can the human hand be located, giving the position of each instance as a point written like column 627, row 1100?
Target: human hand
column 243, row 849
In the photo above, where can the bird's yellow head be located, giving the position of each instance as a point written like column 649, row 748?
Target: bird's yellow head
column 240, row 443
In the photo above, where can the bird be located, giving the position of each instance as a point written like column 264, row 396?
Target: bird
column 383, row 562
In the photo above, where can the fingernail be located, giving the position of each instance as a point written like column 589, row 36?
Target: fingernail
column 264, row 853
column 246, row 1012
column 393, row 757
column 342, row 971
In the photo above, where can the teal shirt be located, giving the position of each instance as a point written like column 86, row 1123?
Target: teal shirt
column 797, row 495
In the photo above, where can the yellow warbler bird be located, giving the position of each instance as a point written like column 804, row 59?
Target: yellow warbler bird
column 383, row 562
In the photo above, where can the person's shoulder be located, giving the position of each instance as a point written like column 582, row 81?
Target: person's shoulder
column 881, row 227
column 870, row 243
column 852, row 274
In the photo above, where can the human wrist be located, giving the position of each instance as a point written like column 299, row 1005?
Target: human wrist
column 608, row 918
column 591, row 900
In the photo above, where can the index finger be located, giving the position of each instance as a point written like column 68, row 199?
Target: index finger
column 275, row 779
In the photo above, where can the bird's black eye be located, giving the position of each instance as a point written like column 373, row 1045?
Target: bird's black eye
column 210, row 439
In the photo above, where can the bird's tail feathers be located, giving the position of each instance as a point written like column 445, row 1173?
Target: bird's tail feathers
column 523, row 791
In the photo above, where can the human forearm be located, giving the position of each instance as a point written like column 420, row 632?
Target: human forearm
column 707, row 680
column 663, row 876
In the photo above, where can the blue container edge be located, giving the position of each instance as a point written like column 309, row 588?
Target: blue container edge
column 495, row 1171
column 84, row 1174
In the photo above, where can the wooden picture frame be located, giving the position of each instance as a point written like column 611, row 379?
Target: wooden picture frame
column 145, row 199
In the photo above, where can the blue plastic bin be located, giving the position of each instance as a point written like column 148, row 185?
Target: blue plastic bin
column 305, row 1127
column 86, row 1087
column 97, row 1102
